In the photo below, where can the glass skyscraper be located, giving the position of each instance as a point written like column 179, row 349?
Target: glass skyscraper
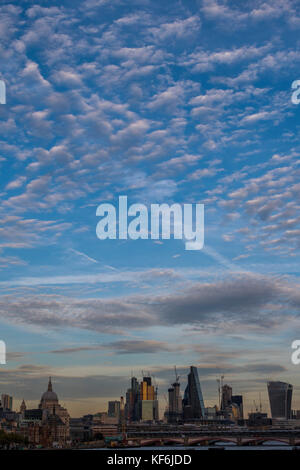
column 193, row 403
column 280, row 396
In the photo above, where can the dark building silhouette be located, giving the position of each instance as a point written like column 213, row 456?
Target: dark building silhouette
column 33, row 415
column 226, row 396
column 258, row 419
column 193, row 404
column 132, row 399
column 231, row 405
column 238, row 401
column 6, row 402
column 280, row 397
column 113, row 409
column 147, row 380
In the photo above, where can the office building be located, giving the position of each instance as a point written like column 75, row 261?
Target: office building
column 147, row 391
column 6, row 402
column 193, row 403
column 258, row 419
column 148, row 404
column 149, row 410
column 226, row 397
column 237, row 401
column 113, row 409
column 141, row 401
column 175, row 403
column 280, row 397
column 132, row 398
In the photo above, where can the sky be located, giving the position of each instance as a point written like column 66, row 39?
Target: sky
column 164, row 102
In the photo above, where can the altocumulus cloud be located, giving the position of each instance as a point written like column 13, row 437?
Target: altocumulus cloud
column 257, row 301
column 124, row 347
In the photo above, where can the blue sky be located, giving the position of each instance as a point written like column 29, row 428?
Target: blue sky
column 187, row 102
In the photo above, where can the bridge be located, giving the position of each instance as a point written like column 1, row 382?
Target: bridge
column 210, row 438
column 208, row 441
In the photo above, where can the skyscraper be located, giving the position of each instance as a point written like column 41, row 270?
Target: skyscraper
column 231, row 405
column 148, row 404
column 132, row 397
column 141, row 401
column 114, row 409
column 175, row 403
column 193, row 404
column 280, row 397
column 147, row 389
column 226, row 396
column 238, row 401
column 6, row 402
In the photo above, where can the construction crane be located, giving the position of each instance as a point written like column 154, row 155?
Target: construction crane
column 177, row 377
column 220, row 387
column 122, row 419
column 155, row 385
column 219, row 393
column 260, row 406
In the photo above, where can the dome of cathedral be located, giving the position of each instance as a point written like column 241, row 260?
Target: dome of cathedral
column 49, row 395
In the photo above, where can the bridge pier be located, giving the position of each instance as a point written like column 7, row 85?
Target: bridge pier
column 186, row 441
column 254, row 443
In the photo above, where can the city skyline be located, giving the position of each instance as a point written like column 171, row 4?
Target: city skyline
column 162, row 102
column 250, row 403
column 135, row 422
